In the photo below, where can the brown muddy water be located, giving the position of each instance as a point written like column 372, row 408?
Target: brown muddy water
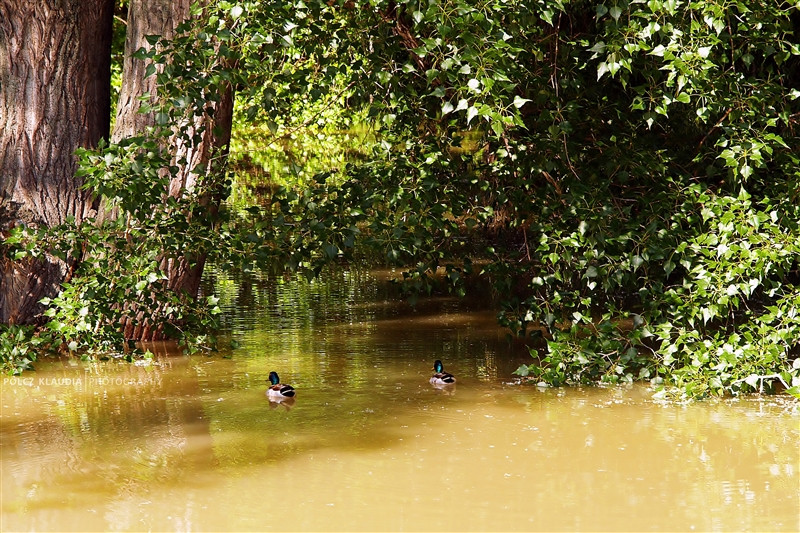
column 191, row 443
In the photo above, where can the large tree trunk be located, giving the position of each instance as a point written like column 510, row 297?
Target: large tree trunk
column 54, row 97
column 161, row 17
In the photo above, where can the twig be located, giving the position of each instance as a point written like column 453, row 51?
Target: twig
column 720, row 121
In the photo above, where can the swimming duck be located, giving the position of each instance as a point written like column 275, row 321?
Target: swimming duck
column 441, row 377
column 278, row 391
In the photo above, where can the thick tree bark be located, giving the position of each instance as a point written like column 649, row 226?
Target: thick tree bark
column 161, row 17
column 54, row 97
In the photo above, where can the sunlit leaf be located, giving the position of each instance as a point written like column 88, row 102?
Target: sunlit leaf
column 519, row 101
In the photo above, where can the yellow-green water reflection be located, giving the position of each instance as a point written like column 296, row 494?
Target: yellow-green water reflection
column 191, row 443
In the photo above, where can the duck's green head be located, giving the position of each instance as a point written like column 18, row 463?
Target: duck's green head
column 438, row 366
column 273, row 378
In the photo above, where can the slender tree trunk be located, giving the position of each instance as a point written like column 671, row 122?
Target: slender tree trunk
column 54, row 97
column 161, row 17
column 145, row 17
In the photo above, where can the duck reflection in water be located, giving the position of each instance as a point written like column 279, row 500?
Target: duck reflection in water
column 286, row 403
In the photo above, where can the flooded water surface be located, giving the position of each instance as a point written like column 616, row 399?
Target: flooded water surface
column 191, row 443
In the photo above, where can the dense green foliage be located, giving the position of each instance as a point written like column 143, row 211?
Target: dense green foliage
column 624, row 173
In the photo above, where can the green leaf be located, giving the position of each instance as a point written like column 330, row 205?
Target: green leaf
column 330, row 250
column 522, row 371
column 519, row 101
column 598, row 48
column 752, row 380
column 497, row 127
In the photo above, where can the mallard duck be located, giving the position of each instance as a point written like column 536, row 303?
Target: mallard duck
column 278, row 391
column 441, row 377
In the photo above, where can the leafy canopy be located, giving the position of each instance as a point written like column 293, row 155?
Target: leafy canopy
column 624, row 174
